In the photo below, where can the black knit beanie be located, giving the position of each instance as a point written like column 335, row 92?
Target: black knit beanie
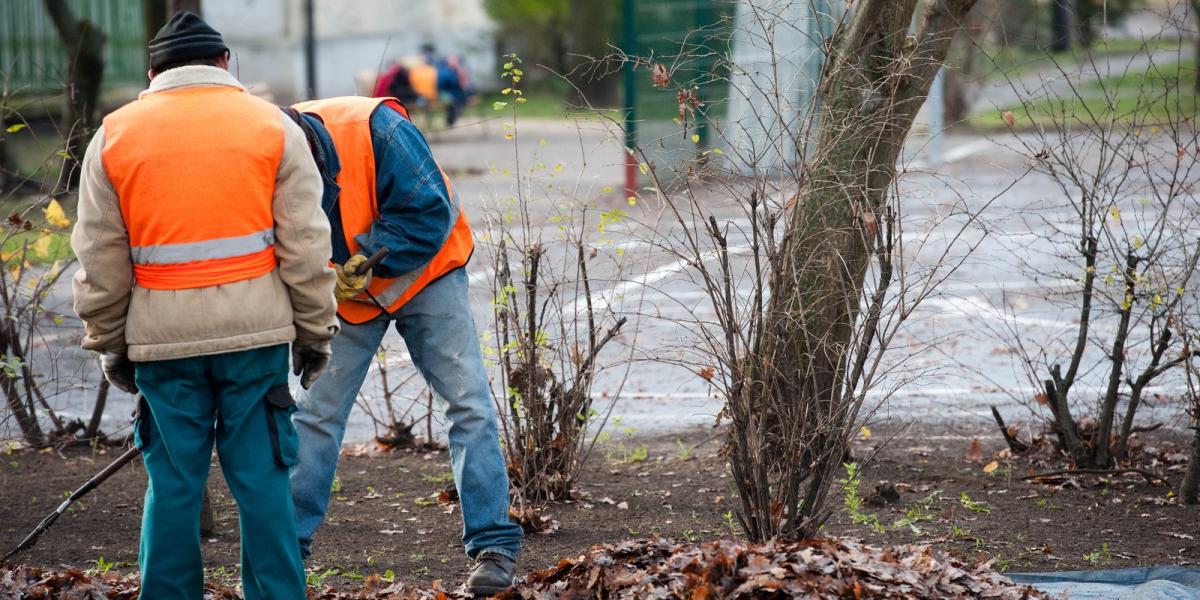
column 185, row 37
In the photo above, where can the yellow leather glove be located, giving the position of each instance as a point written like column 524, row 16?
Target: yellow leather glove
column 350, row 285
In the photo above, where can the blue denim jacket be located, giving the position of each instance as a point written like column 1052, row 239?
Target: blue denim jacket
column 416, row 212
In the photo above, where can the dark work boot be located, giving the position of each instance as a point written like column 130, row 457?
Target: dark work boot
column 493, row 573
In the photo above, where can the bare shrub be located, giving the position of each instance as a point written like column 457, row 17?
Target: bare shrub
column 548, row 335
column 1120, row 154
column 391, row 412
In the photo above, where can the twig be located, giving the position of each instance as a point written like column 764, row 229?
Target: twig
column 1150, row 478
column 1014, row 444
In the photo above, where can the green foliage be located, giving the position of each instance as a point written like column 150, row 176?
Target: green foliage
column 1099, row 557
column 102, row 566
column 974, row 505
column 922, row 510
column 315, row 579
column 853, row 501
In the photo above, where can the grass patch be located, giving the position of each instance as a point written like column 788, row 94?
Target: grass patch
column 1016, row 61
column 1160, row 94
column 542, row 106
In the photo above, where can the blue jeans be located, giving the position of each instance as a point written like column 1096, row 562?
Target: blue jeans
column 440, row 334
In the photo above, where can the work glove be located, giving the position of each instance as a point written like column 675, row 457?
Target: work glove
column 118, row 370
column 309, row 360
column 350, row 285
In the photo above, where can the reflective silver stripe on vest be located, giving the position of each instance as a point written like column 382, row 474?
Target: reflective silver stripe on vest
column 169, row 254
column 398, row 286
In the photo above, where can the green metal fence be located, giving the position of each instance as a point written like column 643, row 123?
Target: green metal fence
column 690, row 38
column 33, row 60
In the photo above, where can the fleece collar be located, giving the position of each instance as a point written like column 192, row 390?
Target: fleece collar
column 191, row 75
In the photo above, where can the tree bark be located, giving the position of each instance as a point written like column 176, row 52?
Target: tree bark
column 84, row 43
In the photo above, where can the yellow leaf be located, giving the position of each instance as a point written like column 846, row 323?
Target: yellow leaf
column 645, row 168
column 990, row 467
column 717, row 151
column 15, row 127
column 15, row 272
column 607, row 189
column 1115, row 213
column 542, row 142
column 695, row 138
column 865, row 432
column 558, row 168
column 508, row 136
column 56, row 215
column 42, row 246
column 632, row 200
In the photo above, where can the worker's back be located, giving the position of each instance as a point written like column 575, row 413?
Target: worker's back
column 218, row 201
column 194, row 169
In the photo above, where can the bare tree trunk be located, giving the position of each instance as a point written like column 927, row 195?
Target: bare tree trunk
column 1196, row 14
column 93, row 426
column 154, row 16
column 1100, row 454
column 876, row 80
column 174, row 6
column 208, row 525
column 589, row 42
column 84, row 43
column 1189, row 489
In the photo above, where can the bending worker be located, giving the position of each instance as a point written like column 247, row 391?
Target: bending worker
column 203, row 253
column 383, row 189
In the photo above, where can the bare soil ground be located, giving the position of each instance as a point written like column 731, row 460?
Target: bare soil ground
column 385, row 515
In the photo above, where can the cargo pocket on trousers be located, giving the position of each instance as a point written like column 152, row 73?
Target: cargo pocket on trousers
column 141, row 423
column 285, row 444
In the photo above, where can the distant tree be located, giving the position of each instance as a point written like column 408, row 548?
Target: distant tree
column 1091, row 15
column 84, row 44
column 535, row 29
column 590, row 28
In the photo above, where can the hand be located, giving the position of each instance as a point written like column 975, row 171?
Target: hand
column 118, row 370
column 350, row 285
column 309, row 361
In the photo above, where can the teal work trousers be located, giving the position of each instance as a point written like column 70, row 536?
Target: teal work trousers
column 240, row 401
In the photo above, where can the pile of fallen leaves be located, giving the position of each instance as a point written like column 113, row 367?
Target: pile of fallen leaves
column 644, row 569
column 831, row 568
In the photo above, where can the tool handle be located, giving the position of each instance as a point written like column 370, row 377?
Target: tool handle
column 372, row 261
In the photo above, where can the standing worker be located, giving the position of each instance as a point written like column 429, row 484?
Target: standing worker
column 203, row 253
column 383, row 189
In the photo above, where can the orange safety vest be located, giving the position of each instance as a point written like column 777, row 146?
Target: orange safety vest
column 348, row 120
column 423, row 79
column 194, row 170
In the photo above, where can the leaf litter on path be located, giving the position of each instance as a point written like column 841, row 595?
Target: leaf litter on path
column 723, row 569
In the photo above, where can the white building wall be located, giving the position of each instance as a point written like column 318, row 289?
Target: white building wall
column 267, row 39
